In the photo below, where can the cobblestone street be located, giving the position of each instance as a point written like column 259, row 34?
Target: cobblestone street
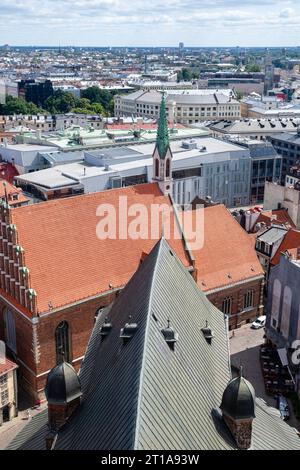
column 244, row 348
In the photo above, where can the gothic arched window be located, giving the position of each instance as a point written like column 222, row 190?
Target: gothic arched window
column 62, row 343
column 168, row 168
column 156, row 167
column 227, row 306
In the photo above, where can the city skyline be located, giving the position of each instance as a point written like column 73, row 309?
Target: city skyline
column 116, row 23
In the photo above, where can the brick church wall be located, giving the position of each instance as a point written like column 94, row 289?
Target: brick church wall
column 36, row 353
column 238, row 315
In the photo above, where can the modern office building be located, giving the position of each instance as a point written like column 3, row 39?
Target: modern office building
column 265, row 166
column 201, row 167
column 288, row 146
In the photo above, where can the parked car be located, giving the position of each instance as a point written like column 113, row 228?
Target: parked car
column 260, row 322
column 283, row 407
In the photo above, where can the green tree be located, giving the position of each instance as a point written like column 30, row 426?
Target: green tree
column 252, row 68
column 185, row 75
column 19, row 106
column 81, row 111
column 239, row 95
column 61, row 102
column 102, row 97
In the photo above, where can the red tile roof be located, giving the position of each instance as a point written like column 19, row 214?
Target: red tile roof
column 228, row 255
column 290, row 241
column 9, row 365
column 279, row 216
column 8, row 172
column 67, row 261
column 10, row 191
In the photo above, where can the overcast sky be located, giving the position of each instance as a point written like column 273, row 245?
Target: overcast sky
column 150, row 22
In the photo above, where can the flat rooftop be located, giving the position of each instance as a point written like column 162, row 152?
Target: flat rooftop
column 63, row 175
column 78, row 139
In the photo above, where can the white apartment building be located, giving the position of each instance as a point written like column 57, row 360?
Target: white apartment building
column 183, row 106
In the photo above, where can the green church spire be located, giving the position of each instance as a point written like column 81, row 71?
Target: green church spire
column 162, row 138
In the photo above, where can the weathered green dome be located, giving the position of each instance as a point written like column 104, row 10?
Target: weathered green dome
column 238, row 401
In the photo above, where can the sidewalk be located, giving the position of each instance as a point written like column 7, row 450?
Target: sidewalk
column 11, row 428
column 244, row 349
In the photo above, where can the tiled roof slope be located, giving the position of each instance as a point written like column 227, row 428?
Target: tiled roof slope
column 67, row 261
column 227, row 251
column 9, row 365
column 10, row 191
column 281, row 217
column 290, row 241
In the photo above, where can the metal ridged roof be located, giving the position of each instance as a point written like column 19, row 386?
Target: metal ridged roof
column 144, row 395
column 272, row 235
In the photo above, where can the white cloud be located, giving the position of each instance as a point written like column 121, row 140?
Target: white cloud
column 155, row 22
column 286, row 13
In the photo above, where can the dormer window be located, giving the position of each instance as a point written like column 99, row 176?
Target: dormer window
column 128, row 331
column 171, row 337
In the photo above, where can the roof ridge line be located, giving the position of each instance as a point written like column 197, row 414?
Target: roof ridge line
column 137, row 422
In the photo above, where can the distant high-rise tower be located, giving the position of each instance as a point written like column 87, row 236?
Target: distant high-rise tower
column 269, row 72
column 145, row 64
column 181, row 47
column 162, row 155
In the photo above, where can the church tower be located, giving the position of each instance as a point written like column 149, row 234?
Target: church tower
column 162, row 155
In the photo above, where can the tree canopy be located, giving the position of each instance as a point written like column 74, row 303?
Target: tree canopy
column 14, row 105
column 93, row 101
column 186, row 75
column 252, row 68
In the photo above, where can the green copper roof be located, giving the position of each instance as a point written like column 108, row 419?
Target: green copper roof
column 238, row 399
column 162, row 138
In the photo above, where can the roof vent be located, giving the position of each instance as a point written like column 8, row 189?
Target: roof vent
column 128, row 331
column 105, row 328
column 207, row 332
column 171, row 337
